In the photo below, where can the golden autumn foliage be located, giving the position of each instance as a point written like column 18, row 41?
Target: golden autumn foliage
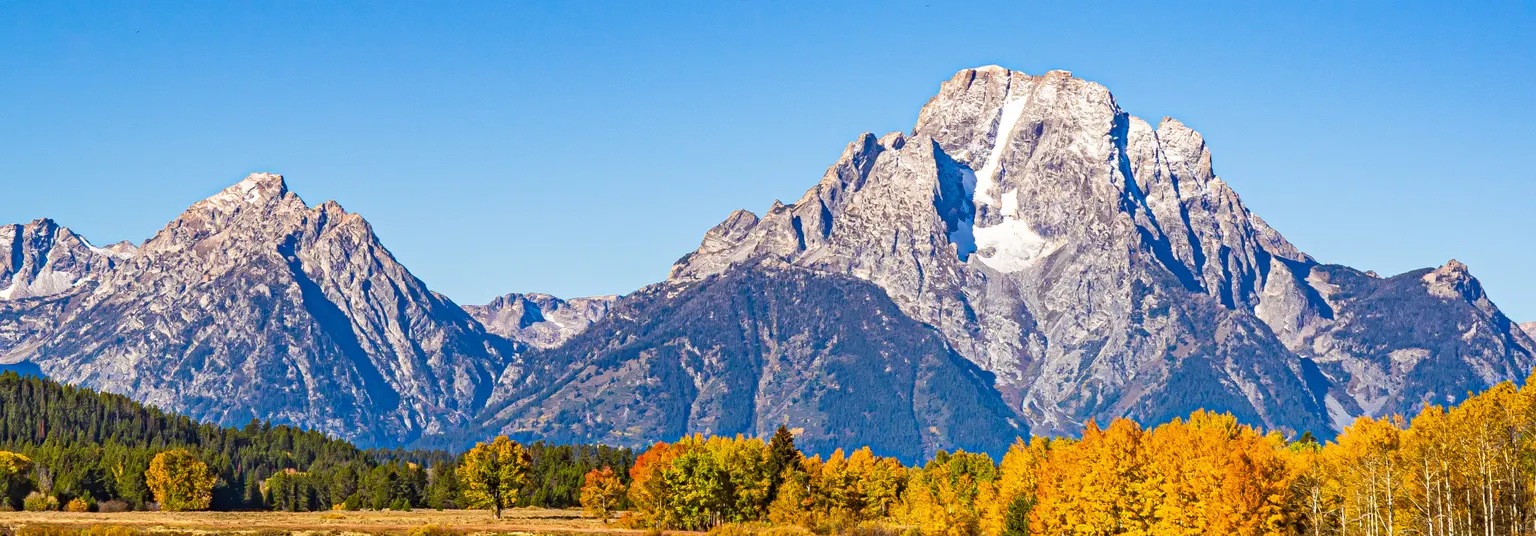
column 494, row 474
column 1466, row 470
column 601, row 492
column 13, row 478
column 180, row 481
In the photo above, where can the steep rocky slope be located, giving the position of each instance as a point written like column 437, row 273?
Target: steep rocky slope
column 752, row 349
column 252, row 304
column 43, row 266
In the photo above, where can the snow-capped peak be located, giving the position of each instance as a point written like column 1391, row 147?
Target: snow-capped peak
column 255, row 188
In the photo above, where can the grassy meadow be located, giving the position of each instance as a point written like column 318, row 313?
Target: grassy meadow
column 444, row 522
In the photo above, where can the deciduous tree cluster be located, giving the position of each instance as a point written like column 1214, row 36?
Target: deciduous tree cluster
column 1465, row 470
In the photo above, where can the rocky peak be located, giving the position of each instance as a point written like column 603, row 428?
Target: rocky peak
column 42, row 258
column 1453, row 281
column 254, row 189
column 540, row 320
column 1077, row 252
column 253, row 304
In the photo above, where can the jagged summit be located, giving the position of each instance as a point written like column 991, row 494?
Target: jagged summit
column 1099, row 266
column 251, row 304
column 540, row 320
column 256, row 188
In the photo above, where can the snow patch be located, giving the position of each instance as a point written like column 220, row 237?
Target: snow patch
column 1336, row 413
column 987, row 177
column 1010, row 246
column 46, row 283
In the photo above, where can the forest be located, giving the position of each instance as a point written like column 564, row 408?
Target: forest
column 1467, row 469
column 97, row 447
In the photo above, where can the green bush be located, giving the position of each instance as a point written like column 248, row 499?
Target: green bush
column 37, row 502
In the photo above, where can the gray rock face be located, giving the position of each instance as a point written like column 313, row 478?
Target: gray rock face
column 252, row 304
column 43, row 266
column 750, row 349
column 1529, row 327
column 1100, row 268
column 42, row 259
column 540, row 320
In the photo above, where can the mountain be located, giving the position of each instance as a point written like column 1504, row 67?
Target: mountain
column 540, row 320
column 1530, row 328
column 1093, row 265
column 748, row 351
column 252, row 304
column 42, row 266
column 1027, row 258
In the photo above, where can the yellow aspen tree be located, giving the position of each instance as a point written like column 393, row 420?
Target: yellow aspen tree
column 13, row 477
column 494, row 474
column 180, row 481
column 1013, row 494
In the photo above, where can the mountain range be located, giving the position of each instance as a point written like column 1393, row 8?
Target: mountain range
column 1027, row 258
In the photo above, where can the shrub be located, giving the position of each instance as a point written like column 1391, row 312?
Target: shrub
column 434, row 530
column 77, row 504
column 37, row 502
column 730, row 529
column 790, row 530
column 113, row 506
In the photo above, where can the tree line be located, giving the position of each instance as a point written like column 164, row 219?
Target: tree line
column 1465, row 470
column 1462, row 470
column 60, row 444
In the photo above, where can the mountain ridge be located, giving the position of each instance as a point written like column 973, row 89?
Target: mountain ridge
column 1027, row 258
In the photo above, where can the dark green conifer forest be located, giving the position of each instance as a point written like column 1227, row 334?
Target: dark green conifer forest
column 96, row 447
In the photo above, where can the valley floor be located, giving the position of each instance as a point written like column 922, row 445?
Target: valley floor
column 517, row 520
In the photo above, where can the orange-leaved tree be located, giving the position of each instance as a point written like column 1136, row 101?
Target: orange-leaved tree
column 601, row 493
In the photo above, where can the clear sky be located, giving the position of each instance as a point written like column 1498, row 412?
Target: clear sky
column 580, row 148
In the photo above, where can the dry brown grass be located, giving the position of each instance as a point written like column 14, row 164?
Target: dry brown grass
column 516, row 520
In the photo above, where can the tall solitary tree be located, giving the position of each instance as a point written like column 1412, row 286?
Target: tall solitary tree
column 494, row 474
column 180, row 481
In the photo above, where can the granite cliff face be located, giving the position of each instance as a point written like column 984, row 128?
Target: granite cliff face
column 252, row 304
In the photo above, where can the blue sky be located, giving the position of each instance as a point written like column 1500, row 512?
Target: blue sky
column 580, row 148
